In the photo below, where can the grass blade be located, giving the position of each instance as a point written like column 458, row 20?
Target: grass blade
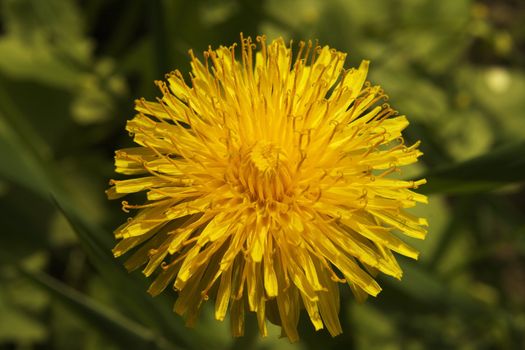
column 500, row 167
column 122, row 331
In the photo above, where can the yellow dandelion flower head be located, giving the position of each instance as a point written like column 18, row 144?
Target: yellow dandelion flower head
column 266, row 176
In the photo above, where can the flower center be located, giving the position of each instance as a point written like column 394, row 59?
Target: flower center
column 265, row 157
column 262, row 173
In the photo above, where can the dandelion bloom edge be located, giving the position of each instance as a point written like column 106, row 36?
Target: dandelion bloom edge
column 267, row 185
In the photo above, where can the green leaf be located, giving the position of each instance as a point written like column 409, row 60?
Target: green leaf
column 24, row 163
column 424, row 286
column 45, row 44
column 44, row 41
column 152, row 311
column 373, row 328
column 26, row 156
column 22, row 224
column 119, row 329
column 18, row 163
column 498, row 91
column 16, row 325
column 500, row 167
column 21, row 303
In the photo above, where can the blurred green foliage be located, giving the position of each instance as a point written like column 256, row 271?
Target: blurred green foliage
column 69, row 71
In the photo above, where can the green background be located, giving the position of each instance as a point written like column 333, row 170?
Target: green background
column 69, row 72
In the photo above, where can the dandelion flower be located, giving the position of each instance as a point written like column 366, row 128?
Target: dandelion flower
column 266, row 177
